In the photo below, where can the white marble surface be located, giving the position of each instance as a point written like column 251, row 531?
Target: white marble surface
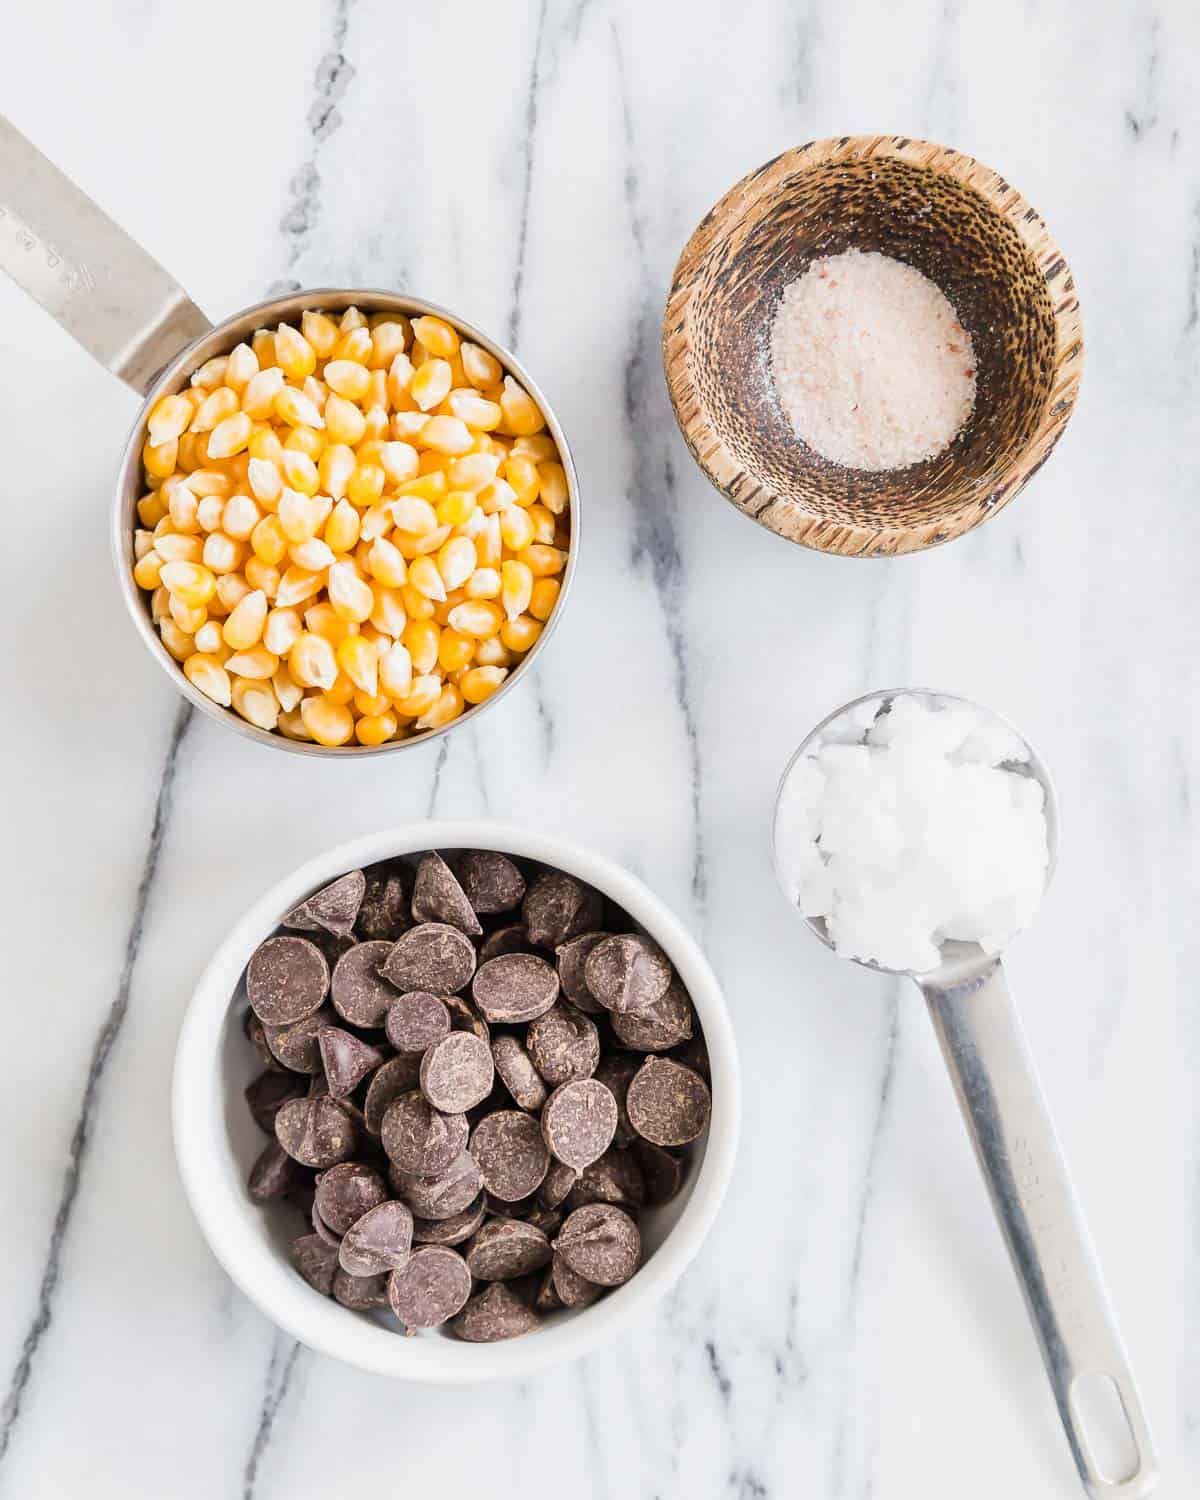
column 852, row 1328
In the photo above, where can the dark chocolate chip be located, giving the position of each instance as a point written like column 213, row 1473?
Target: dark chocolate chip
column 457, row 1072
column 273, row 1174
column 546, row 1299
column 346, row 1192
column 380, row 1240
column 346, row 1059
column 416, row 1020
column 571, row 958
column 296, row 1046
column 286, row 979
column 497, row 1099
column 454, row 1230
column 512, row 939
column 256, row 1034
column 514, row 987
column 491, row 881
column 359, row 994
column 615, row 1178
column 511, row 1154
column 627, row 973
column 667, row 1023
column 496, row 1313
column 431, row 1289
column 360, row 1293
column 572, row 1289
column 616, row 1072
column 433, row 957
column 600, row 1242
column 518, row 1073
column 505, row 1248
column 333, row 947
column 558, row 907
column 668, row 1104
column 662, row 1171
column 331, row 909
column 320, row 1227
column 419, row 1139
column 694, row 1054
column 438, row 897
column 268, row 1092
column 560, row 1179
column 399, row 1075
column 547, row 1220
column 564, row 1044
column 303, row 1197
column 519, row 1208
column 464, row 1017
column 384, row 913
column 359, row 1122
column 316, row 1261
column 579, row 1122
column 316, row 1132
column 439, row 1197
column 527, row 1287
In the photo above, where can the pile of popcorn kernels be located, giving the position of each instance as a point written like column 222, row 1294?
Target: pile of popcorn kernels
column 353, row 530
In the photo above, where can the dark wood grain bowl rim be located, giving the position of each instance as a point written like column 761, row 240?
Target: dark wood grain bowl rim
column 787, row 515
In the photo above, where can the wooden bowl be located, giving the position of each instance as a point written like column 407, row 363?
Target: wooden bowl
column 953, row 219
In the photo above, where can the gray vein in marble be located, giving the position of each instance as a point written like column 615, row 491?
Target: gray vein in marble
column 435, row 786
column 572, row 23
column 545, row 717
column 878, row 1130
column 745, row 1484
column 718, row 1371
column 1142, row 115
column 279, row 1379
column 106, row 1040
column 332, row 78
column 941, row 94
column 541, row 64
column 528, row 141
column 800, row 74
column 1193, row 280
column 672, row 1316
column 790, row 1366
column 654, row 528
column 866, row 1197
column 593, row 1439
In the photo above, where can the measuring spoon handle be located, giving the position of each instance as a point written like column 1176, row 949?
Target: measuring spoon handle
column 87, row 273
column 1010, row 1127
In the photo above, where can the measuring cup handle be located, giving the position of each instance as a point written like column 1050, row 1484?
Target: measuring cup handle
column 85, row 271
column 1014, row 1139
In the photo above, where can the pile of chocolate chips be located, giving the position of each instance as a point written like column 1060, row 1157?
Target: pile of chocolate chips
column 477, row 1076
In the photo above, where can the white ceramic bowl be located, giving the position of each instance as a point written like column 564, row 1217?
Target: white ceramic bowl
column 216, row 1141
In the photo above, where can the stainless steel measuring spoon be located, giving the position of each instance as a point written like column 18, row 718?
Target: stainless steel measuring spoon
column 132, row 316
column 1006, row 1116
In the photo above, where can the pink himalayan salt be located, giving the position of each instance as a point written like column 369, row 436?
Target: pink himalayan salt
column 871, row 365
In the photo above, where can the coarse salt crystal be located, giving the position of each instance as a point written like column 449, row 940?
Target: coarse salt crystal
column 929, row 830
column 871, row 365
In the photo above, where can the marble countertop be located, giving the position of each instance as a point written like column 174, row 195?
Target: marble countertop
column 852, row 1327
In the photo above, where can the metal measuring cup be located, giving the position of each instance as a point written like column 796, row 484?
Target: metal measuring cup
column 1007, row 1119
column 132, row 316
